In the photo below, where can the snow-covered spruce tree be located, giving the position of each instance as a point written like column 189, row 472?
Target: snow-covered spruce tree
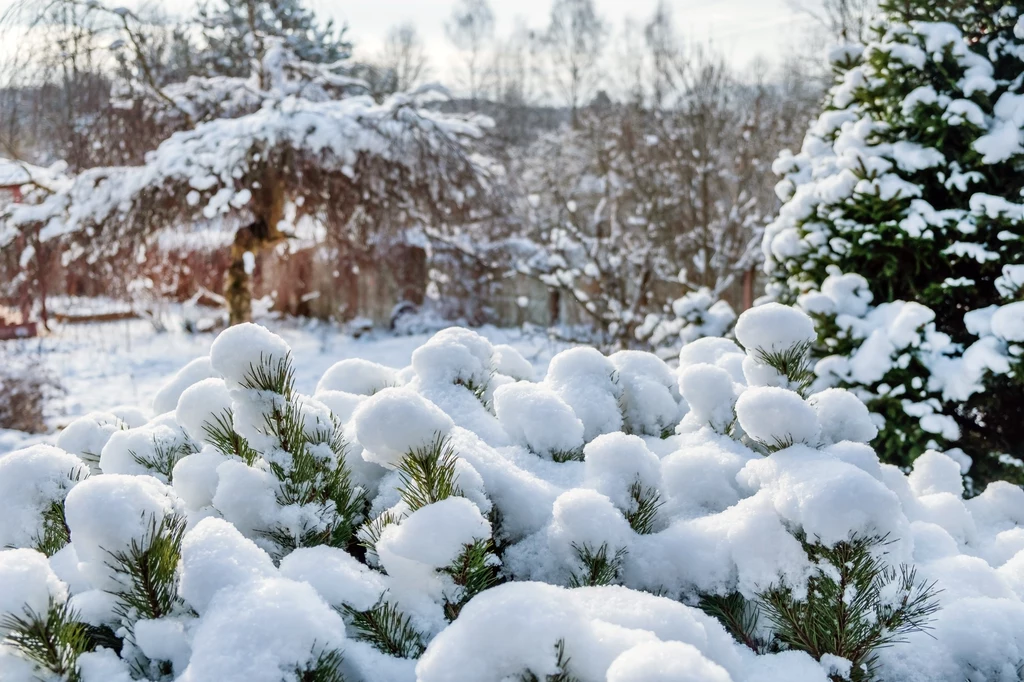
column 290, row 152
column 902, row 231
column 459, row 521
column 231, row 32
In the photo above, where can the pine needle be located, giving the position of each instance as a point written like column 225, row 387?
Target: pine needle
column 428, row 474
column 598, row 567
column 388, row 629
column 53, row 640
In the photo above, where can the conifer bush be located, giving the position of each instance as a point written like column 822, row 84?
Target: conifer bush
column 902, row 232
column 722, row 521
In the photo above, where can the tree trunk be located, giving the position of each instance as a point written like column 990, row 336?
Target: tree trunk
column 237, row 280
column 253, row 238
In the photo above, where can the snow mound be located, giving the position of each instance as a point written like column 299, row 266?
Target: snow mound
column 472, row 524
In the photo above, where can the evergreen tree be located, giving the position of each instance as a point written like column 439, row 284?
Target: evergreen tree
column 232, row 32
column 908, row 189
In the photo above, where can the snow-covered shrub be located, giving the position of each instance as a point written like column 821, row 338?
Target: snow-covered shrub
column 454, row 521
column 901, row 231
column 694, row 316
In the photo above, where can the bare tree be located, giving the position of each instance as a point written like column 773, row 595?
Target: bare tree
column 844, row 20
column 575, row 40
column 471, row 29
column 665, row 49
column 405, row 57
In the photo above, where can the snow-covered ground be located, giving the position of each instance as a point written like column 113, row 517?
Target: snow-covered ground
column 105, row 365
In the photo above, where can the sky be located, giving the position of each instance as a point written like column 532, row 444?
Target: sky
column 740, row 30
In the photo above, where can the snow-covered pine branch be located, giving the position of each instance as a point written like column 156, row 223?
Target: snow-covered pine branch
column 457, row 520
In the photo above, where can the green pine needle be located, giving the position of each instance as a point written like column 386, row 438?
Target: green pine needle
column 56, row 534
column 855, row 608
column 428, row 474
column 563, row 456
column 164, row 458
column 475, row 570
column 326, row 668
column 794, row 363
column 369, row 533
column 278, row 378
column 644, row 513
column 311, row 478
column 598, row 567
column 388, row 629
column 53, row 640
column 147, row 569
column 739, row 616
column 220, row 433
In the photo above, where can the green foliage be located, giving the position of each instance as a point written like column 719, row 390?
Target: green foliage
column 386, row 628
column 856, row 604
column 475, row 570
column 326, row 668
column 563, row 666
column 369, row 533
column 644, row 512
column 739, row 616
column 56, row 533
column 164, row 457
column 949, row 261
column 220, row 433
column 598, row 567
column 147, row 572
column 563, row 456
column 794, row 363
column 428, row 474
column 478, row 390
column 53, row 640
column 315, row 475
column 224, row 26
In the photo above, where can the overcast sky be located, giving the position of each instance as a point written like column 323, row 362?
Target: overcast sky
column 739, row 29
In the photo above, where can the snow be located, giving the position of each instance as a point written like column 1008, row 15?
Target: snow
column 777, row 416
column 102, row 366
column 432, row 536
column 241, row 349
column 167, row 397
column 710, row 394
column 27, row 583
column 842, row 417
column 772, row 328
column 1008, row 322
column 534, row 416
column 585, row 380
column 200, row 405
column 357, row 376
column 339, row 578
column 31, row 480
column 615, row 461
column 262, row 631
column 107, row 513
column 396, row 421
column 740, row 472
column 214, row 556
column 665, row 662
